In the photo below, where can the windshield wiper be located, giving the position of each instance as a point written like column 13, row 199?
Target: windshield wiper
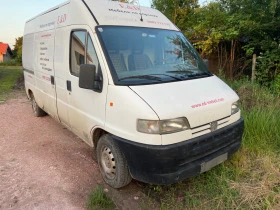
column 149, row 77
column 200, row 75
column 181, row 72
column 176, row 78
column 191, row 75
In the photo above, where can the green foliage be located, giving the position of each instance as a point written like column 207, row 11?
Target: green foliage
column 99, row 200
column 276, row 84
column 268, row 69
column 262, row 133
column 231, row 30
column 179, row 12
column 12, row 62
column 258, row 25
column 8, row 77
column 17, row 52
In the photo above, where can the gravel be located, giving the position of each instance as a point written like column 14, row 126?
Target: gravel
column 45, row 166
column 42, row 165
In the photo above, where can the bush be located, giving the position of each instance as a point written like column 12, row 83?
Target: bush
column 268, row 68
column 12, row 62
column 276, row 85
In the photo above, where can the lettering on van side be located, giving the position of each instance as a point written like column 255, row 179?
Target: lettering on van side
column 158, row 22
column 133, row 12
column 205, row 103
column 47, row 69
column 44, row 59
column 46, row 78
column 47, row 24
column 131, row 7
column 61, row 19
column 45, row 35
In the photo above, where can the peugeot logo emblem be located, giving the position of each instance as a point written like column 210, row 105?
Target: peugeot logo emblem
column 213, row 126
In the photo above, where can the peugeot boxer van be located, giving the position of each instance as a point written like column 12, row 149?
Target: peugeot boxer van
column 128, row 82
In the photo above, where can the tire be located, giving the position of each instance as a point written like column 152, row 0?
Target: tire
column 112, row 163
column 37, row 111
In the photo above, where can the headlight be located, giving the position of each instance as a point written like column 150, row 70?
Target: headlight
column 162, row 126
column 234, row 108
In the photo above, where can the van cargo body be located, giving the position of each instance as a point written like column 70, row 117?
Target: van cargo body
column 125, row 80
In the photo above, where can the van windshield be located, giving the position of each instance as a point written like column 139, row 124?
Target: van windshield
column 139, row 56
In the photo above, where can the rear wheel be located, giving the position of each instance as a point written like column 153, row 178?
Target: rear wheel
column 112, row 163
column 37, row 111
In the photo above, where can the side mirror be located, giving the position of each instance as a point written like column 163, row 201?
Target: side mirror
column 89, row 79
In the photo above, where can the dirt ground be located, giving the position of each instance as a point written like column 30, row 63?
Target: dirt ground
column 45, row 166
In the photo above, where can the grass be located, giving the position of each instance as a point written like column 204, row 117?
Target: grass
column 100, row 200
column 11, row 62
column 8, row 78
column 250, row 179
column 262, row 134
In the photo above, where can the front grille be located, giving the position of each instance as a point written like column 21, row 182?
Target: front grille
column 202, row 147
column 206, row 128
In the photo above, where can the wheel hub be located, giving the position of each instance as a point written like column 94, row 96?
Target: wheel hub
column 108, row 163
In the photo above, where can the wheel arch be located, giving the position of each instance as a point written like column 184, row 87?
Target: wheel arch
column 29, row 93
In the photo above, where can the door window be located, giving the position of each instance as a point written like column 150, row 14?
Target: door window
column 78, row 41
column 81, row 45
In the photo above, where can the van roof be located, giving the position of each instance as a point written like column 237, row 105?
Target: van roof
column 49, row 10
column 118, row 13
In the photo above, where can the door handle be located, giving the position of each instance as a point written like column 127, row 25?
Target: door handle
column 52, row 80
column 68, row 84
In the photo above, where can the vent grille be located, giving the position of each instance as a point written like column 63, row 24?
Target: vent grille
column 206, row 128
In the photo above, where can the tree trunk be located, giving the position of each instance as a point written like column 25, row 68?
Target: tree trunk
column 253, row 68
column 232, row 57
column 175, row 14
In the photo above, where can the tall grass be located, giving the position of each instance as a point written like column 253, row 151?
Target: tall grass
column 261, row 111
column 262, row 130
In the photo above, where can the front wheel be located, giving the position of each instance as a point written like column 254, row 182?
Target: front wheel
column 112, row 163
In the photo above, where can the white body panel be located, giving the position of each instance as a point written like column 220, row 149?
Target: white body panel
column 116, row 109
column 178, row 99
column 117, row 13
column 201, row 101
column 122, row 116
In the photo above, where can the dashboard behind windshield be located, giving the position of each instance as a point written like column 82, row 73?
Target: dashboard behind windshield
column 139, row 56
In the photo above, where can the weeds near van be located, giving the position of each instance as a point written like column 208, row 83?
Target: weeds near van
column 248, row 180
column 8, row 78
column 100, row 200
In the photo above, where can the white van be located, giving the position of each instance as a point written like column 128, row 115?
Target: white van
column 125, row 80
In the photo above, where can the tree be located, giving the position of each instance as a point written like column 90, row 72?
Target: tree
column 258, row 22
column 178, row 11
column 17, row 52
column 233, row 30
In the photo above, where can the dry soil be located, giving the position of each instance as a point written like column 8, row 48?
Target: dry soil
column 45, row 166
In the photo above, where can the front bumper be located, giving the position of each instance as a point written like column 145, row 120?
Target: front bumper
column 167, row 164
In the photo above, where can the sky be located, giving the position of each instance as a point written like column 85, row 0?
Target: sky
column 14, row 14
